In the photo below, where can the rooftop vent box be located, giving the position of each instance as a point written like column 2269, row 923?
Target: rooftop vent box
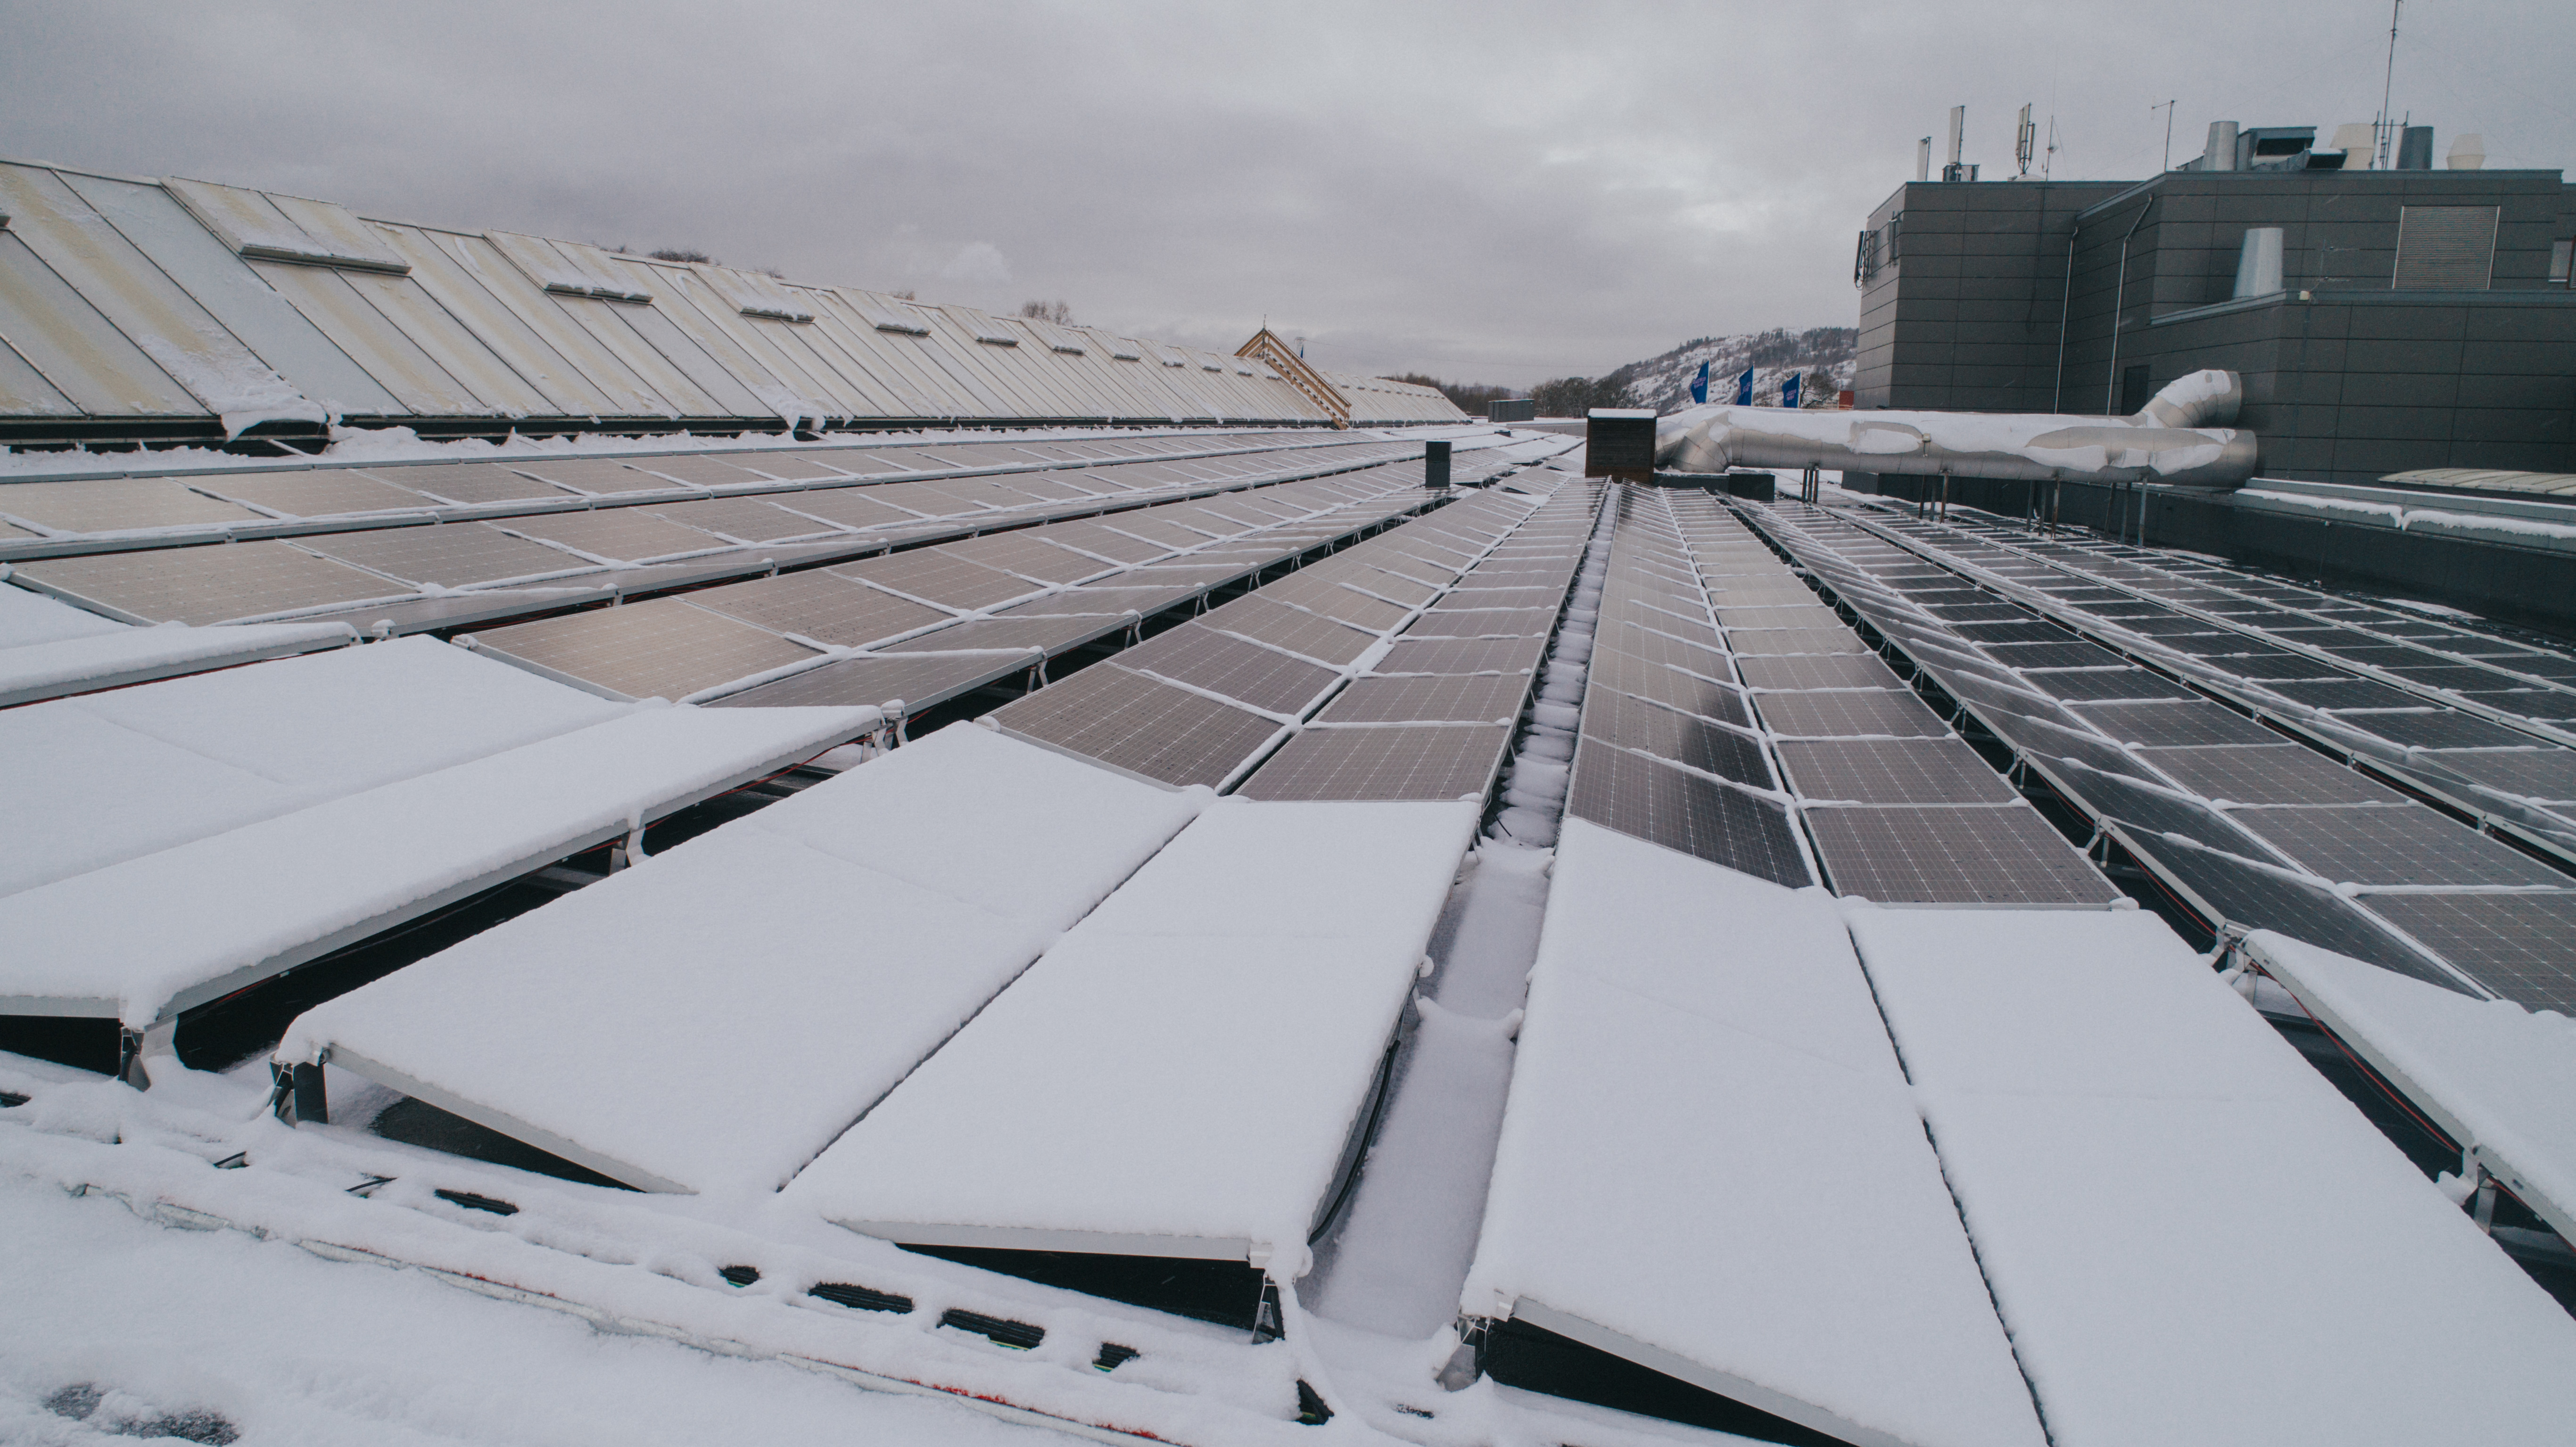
column 887, row 314
column 1520, row 409
column 1619, row 442
column 756, row 295
column 569, row 268
column 261, row 227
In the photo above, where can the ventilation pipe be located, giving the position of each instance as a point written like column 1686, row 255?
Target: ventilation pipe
column 2220, row 154
column 1923, row 159
column 2415, row 149
column 2258, row 267
column 2180, row 438
column 2468, row 153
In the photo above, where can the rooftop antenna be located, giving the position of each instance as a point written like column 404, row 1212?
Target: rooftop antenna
column 2049, row 159
column 2167, row 107
column 2023, row 139
column 1923, row 159
column 2387, row 87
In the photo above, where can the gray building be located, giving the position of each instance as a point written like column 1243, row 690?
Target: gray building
column 2420, row 318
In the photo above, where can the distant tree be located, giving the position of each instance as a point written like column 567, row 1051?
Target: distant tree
column 1470, row 397
column 683, row 253
column 903, row 295
column 1575, row 396
column 1047, row 311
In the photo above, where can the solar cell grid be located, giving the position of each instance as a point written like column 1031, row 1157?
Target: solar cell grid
column 2150, row 812
column 465, row 482
column 1671, row 687
column 593, row 475
column 1818, row 671
column 1462, row 655
column 620, row 534
column 1483, row 623
column 1392, row 587
column 1027, row 555
column 2515, row 944
column 2180, row 724
column 2102, row 685
column 2030, row 631
column 1432, row 761
column 700, row 470
column 1045, row 633
column 2442, row 729
column 819, row 605
column 322, row 492
column 1429, row 698
column 2393, row 844
column 845, row 506
column 1629, row 722
column 932, row 575
column 1972, row 855
column 1849, row 714
column 2282, row 773
column 747, row 519
column 1680, row 810
column 1774, row 641
column 2544, row 774
column 2261, row 899
column 451, row 555
column 1892, row 771
column 1140, row 725
column 213, row 584
column 2053, row 655
column 660, row 648
column 1356, row 609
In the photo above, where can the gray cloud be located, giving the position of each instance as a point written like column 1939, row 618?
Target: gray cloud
column 1492, row 192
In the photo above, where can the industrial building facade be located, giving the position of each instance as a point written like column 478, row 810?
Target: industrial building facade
column 2419, row 318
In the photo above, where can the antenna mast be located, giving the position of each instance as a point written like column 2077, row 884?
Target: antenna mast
column 2168, row 108
column 2023, row 138
column 2387, row 87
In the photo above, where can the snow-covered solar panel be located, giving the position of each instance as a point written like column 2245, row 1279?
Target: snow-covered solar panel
column 712, row 1018
column 354, row 866
column 1694, row 1037
column 2086, row 1077
column 74, row 658
column 1182, row 1073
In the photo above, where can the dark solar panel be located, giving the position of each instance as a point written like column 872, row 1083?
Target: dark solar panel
column 1849, row 714
column 2393, row 844
column 1430, row 761
column 2534, row 773
column 821, row 606
column 2260, row 899
column 1789, row 616
column 1893, row 771
column 451, row 555
column 1357, row 609
column 1680, row 810
column 1761, row 641
column 2046, row 740
column 466, row 482
column 660, row 648
column 1845, row 671
column 2185, row 723
column 2445, row 729
column 1630, row 722
column 1094, row 537
column 1026, row 554
column 1394, row 588
column 1953, row 856
column 1461, row 655
column 206, row 585
column 1429, row 698
column 2079, row 685
column 1618, row 619
column 2148, row 811
column 2054, row 655
column 2522, row 946
column 855, row 682
column 1221, row 663
column 1483, row 623
column 1138, row 724
column 2275, row 774
column 931, row 574
column 1296, row 630
column 1670, row 686
column 1663, row 648
column 2022, row 631
column 1470, row 595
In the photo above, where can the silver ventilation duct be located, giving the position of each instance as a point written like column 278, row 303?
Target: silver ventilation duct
column 2179, row 438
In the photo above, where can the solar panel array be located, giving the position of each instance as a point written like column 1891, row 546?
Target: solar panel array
column 2249, row 828
column 1731, row 716
column 930, row 623
column 439, row 545
column 1298, row 689
column 2474, row 719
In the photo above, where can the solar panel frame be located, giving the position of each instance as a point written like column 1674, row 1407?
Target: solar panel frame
column 1390, row 762
column 449, row 555
column 1645, row 799
column 936, row 577
column 1140, row 725
column 203, row 585
column 1429, row 698
column 2392, row 845
column 1971, row 855
column 820, row 605
column 2517, row 945
column 1849, row 713
column 1891, row 771
column 1202, row 657
column 2183, row 723
column 1461, row 655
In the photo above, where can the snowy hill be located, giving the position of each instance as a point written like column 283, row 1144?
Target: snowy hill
column 1663, row 382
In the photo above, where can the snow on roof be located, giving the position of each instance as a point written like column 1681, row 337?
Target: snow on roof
column 235, row 907
column 1710, row 1164
column 115, row 655
column 28, row 618
column 711, row 1018
column 2494, row 1075
column 146, row 768
column 1180, row 1075
column 2191, row 1236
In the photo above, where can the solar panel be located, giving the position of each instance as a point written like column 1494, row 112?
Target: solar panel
column 1892, row 771
column 2260, row 899
column 1986, row 856
column 1849, row 714
column 2148, row 811
column 1296, row 630
column 1393, row 587
column 1429, row 698
column 918, row 680
column 1756, row 642
column 847, row 506
column 2184, row 723
column 620, row 534
column 2075, row 654
column 322, row 492
column 2029, row 630
column 2274, row 774
column 1140, row 725
column 2518, row 945
column 594, row 474
column 449, row 555
column 932, row 575
column 2445, row 729
column 1094, row 537
column 821, row 606
column 1680, row 810
column 1632, row 723
column 1470, row 594
column 112, row 504
column 660, row 648
column 790, row 466
column 1785, row 616
column 1671, row 652
column 205, row 585
column 1843, row 671
column 1483, row 623
column 1044, row 634
column 2548, row 774
column 2102, row 685
column 1205, row 658
column 1986, row 612
column 2392, row 844
column 1670, row 686
column 1428, row 761
column 748, row 519
column 701, row 470
column 1027, row 555
column 1358, row 610
column 1619, row 618
column 466, row 482
column 1461, row 655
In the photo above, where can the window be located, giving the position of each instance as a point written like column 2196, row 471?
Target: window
column 2445, row 248
column 2562, row 258
column 2133, row 390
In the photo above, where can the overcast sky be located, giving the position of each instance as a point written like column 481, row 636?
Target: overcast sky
column 1490, row 192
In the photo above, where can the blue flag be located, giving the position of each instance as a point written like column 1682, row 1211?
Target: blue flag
column 1699, row 386
column 1744, row 389
column 1789, row 391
